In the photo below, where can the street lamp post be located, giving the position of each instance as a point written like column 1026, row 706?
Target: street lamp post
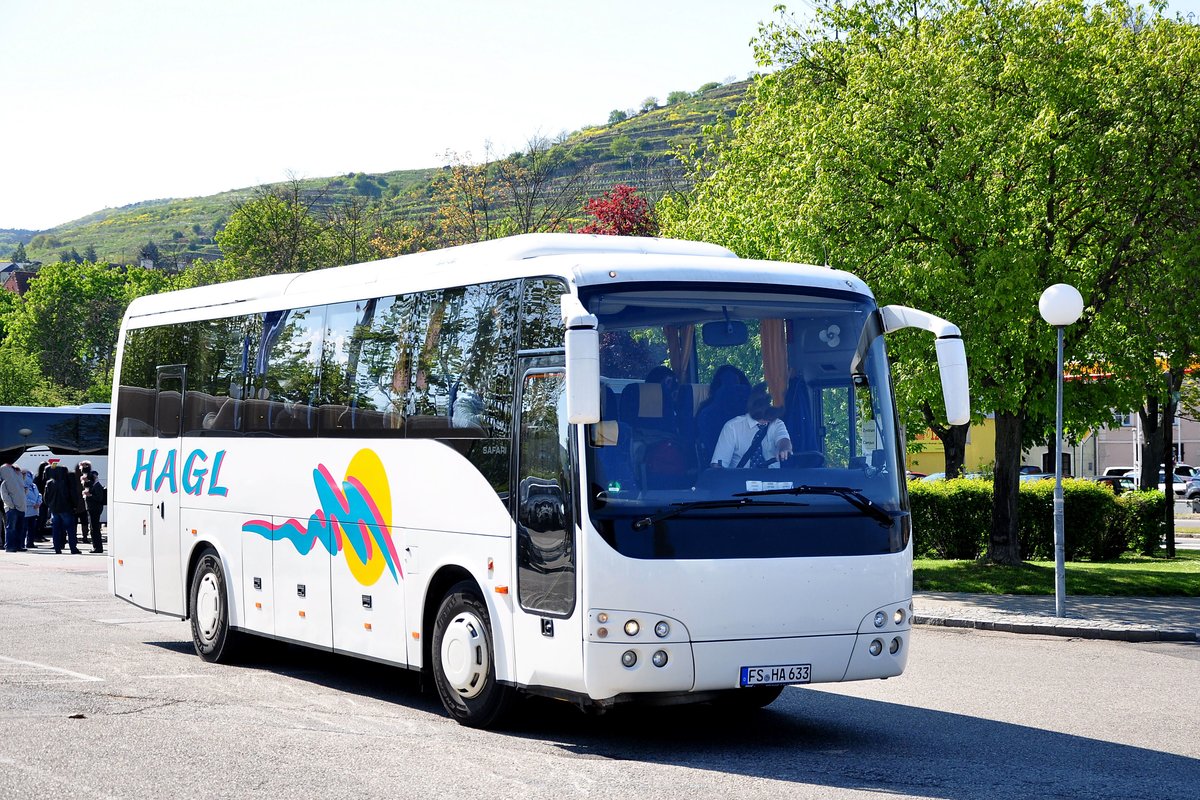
column 1060, row 306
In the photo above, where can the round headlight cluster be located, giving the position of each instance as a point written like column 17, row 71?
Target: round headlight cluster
column 632, row 628
column 662, row 629
column 876, row 647
column 628, row 658
column 880, row 619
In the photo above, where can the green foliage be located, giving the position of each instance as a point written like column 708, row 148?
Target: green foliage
column 622, row 147
column 952, row 520
column 677, row 97
column 18, row 254
column 1142, row 519
column 617, row 115
column 61, row 336
column 273, row 233
column 960, row 157
column 1089, row 513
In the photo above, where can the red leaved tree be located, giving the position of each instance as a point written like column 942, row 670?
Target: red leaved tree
column 621, row 212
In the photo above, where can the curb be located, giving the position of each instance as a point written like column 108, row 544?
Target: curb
column 1055, row 626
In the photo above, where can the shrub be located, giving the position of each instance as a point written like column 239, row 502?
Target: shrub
column 1089, row 511
column 951, row 519
column 1141, row 517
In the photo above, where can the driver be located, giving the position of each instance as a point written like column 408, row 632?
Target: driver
column 755, row 439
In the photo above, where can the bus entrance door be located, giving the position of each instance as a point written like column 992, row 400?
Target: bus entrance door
column 546, row 622
column 164, row 510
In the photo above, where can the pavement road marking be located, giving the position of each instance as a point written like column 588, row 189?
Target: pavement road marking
column 40, row 668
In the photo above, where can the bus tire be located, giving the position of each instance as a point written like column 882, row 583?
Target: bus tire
column 464, row 660
column 211, row 635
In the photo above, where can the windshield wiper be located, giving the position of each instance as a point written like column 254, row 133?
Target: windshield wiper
column 682, row 508
column 854, row 497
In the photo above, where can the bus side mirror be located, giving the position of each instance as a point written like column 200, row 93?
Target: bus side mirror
column 583, row 362
column 951, row 355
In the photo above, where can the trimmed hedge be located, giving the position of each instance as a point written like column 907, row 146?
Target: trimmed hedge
column 953, row 520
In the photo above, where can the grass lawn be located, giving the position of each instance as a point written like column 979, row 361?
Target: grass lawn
column 1129, row 576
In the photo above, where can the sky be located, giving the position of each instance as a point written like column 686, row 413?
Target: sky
column 129, row 100
column 114, row 102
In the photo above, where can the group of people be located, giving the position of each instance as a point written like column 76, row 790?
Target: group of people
column 72, row 502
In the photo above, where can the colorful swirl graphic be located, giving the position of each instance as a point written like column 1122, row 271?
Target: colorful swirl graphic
column 352, row 518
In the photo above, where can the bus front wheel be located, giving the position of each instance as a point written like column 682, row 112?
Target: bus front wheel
column 211, row 635
column 464, row 660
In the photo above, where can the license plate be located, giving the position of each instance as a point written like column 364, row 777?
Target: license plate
column 778, row 674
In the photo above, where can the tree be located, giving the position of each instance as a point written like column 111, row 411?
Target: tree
column 274, row 232
column 149, row 252
column 89, row 254
column 621, row 212
column 534, row 189
column 649, row 104
column 18, row 254
column 617, row 115
column 961, row 156
column 541, row 191
column 467, row 201
column 68, row 323
column 677, row 97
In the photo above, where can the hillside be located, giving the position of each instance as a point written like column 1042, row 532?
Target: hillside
column 637, row 150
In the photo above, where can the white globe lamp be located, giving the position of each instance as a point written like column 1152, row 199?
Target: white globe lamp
column 1061, row 305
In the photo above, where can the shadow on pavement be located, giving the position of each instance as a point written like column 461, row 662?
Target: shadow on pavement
column 827, row 740
column 807, row 737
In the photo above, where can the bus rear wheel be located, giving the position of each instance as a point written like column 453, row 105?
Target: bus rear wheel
column 211, row 635
column 464, row 660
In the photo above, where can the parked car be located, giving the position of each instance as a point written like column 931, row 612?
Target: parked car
column 1110, row 472
column 1191, row 489
column 1026, row 477
column 1118, row 483
column 941, row 476
column 1179, row 485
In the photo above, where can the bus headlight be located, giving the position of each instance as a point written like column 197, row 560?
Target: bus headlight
column 895, row 646
column 880, row 618
column 659, row 659
column 628, row 658
column 876, row 647
column 661, row 629
column 632, row 628
column 898, row 617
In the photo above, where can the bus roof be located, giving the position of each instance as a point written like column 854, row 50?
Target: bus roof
column 87, row 408
column 581, row 259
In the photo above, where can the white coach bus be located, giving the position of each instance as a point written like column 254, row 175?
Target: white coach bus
column 495, row 463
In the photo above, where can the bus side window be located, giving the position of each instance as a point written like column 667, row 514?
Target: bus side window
column 545, row 540
column 541, row 315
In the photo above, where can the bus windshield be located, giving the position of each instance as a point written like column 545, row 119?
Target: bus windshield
column 743, row 424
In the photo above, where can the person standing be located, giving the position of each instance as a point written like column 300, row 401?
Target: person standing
column 12, row 492
column 95, row 496
column 81, row 515
column 43, row 514
column 33, row 509
column 63, row 495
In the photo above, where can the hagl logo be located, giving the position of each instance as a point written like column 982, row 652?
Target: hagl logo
column 352, row 518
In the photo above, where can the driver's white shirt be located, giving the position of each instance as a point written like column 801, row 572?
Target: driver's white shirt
column 738, row 433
